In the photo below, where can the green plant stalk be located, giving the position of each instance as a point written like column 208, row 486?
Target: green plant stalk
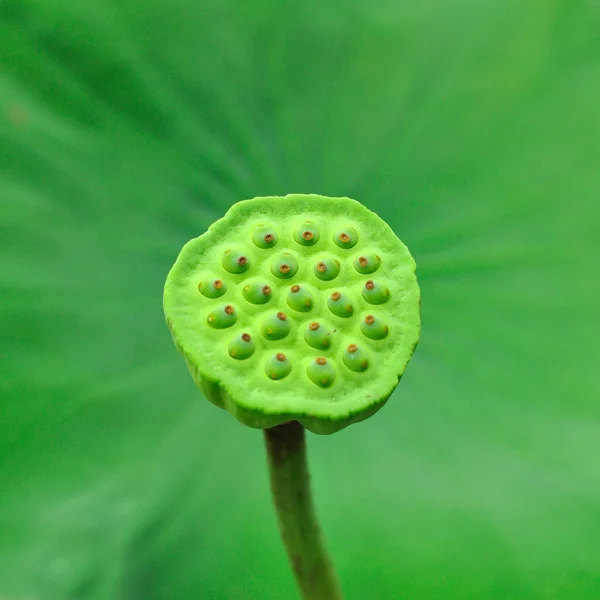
column 301, row 533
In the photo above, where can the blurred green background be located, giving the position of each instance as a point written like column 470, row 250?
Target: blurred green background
column 473, row 128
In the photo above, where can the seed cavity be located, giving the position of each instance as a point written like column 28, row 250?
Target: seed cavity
column 241, row 347
column 346, row 238
column 321, row 372
column 367, row 263
column 264, row 237
column 375, row 293
column 300, row 299
column 284, row 266
column 275, row 326
column 340, row 305
column 212, row 288
column 327, row 269
column 318, row 336
column 222, row 317
column 278, row 366
column 235, row 262
column 306, row 235
column 355, row 358
column 374, row 328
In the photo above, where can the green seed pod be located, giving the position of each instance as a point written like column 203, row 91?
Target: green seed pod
column 265, row 237
column 278, row 366
column 367, row 262
column 222, row 317
column 355, row 358
column 212, row 288
column 318, row 336
column 241, row 346
column 300, row 298
column 284, row 266
column 321, row 372
column 307, row 234
column 375, row 293
column 340, row 305
column 275, row 327
column 374, row 327
column 257, row 292
column 235, row 262
column 346, row 238
column 262, row 231
column 327, row 269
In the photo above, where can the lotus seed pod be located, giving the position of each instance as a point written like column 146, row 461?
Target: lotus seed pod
column 212, row 288
column 234, row 261
column 321, row 372
column 367, row 263
column 356, row 358
column 265, row 237
column 374, row 327
column 307, row 234
column 275, row 327
column 257, row 292
column 375, row 293
column 340, row 305
column 318, row 336
column 278, row 375
column 241, row 346
column 284, row 266
column 278, row 366
column 346, row 238
column 327, row 269
column 299, row 298
column 222, row 317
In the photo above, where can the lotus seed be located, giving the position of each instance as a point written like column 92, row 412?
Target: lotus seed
column 355, row 358
column 367, row 263
column 212, row 288
column 374, row 328
column 222, row 317
column 375, row 293
column 318, row 336
column 346, row 238
column 276, row 326
column 340, row 305
column 241, row 347
column 300, row 299
column 235, row 262
column 321, row 372
column 264, row 237
column 278, row 366
column 327, row 269
column 257, row 292
column 284, row 266
column 307, row 235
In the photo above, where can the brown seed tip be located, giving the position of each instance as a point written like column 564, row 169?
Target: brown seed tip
column 268, row 237
column 284, row 268
column 295, row 288
column 314, row 326
column 352, row 348
column 218, row 284
column 307, row 235
column 281, row 316
column 369, row 319
column 321, row 267
column 321, row 360
column 229, row 309
column 242, row 260
column 362, row 261
column 336, row 296
column 344, row 237
column 246, row 337
column 280, row 356
column 266, row 290
column 369, row 285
